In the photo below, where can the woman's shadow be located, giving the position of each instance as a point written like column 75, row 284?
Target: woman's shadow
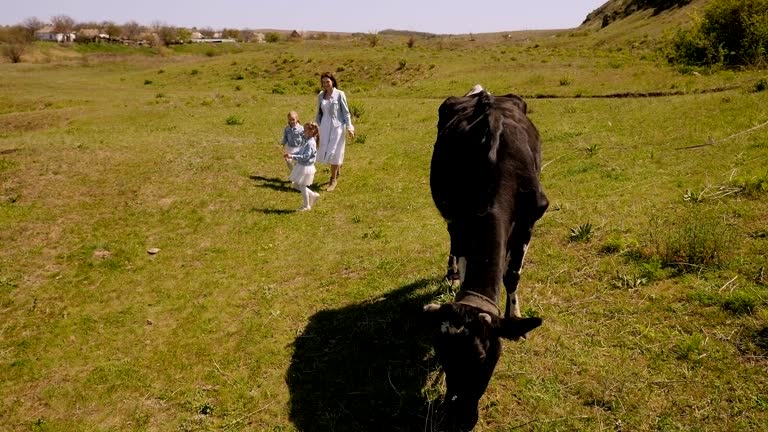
column 363, row 367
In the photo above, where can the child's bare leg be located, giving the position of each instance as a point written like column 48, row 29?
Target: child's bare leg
column 305, row 197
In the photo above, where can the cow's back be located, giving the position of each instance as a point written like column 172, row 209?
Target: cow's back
column 486, row 147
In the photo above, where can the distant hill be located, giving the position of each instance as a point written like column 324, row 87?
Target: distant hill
column 394, row 32
column 632, row 19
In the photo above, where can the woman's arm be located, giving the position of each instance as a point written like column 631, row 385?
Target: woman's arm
column 319, row 115
column 346, row 116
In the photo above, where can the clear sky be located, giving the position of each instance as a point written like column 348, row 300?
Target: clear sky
column 434, row 16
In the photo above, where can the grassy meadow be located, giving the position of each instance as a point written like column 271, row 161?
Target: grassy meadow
column 650, row 268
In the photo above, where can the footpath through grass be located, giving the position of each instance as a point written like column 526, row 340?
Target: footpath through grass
column 649, row 269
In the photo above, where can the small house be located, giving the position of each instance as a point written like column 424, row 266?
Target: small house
column 47, row 33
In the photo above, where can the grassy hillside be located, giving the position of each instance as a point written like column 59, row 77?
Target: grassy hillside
column 631, row 22
column 649, row 269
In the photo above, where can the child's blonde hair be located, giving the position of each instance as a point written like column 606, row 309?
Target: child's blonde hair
column 313, row 128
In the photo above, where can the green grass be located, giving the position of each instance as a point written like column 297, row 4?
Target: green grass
column 254, row 317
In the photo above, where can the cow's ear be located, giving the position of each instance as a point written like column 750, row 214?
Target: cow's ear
column 431, row 310
column 515, row 328
column 432, row 313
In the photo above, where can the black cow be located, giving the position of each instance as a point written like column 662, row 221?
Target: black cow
column 485, row 183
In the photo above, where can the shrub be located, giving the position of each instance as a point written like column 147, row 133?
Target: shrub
column 761, row 338
column 752, row 186
column 614, row 245
column 15, row 42
column 234, row 120
column 690, row 349
column 760, row 85
column 14, row 51
column 356, row 110
column 272, row 37
column 731, row 32
column 691, row 241
column 740, row 303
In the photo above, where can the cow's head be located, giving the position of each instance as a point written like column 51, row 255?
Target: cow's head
column 468, row 346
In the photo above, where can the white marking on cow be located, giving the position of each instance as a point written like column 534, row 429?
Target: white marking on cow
column 476, row 89
column 462, row 268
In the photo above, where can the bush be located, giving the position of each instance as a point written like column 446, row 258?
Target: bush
column 752, row 186
column 15, row 43
column 691, row 241
column 234, row 120
column 731, row 32
column 760, row 85
column 740, row 303
column 14, row 51
column 356, row 110
column 272, row 37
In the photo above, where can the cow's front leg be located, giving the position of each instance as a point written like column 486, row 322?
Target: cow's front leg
column 511, row 280
column 457, row 263
column 452, row 275
column 516, row 249
column 517, row 246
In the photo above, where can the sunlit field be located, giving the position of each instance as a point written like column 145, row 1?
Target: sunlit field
column 155, row 276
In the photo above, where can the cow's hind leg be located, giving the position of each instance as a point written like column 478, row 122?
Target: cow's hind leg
column 517, row 246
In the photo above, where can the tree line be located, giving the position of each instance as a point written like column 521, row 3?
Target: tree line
column 15, row 39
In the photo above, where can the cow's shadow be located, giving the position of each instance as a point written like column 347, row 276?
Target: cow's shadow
column 363, row 367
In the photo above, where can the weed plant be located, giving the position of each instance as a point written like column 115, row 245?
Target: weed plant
column 692, row 241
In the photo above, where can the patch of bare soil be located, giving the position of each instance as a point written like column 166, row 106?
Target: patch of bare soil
column 31, row 121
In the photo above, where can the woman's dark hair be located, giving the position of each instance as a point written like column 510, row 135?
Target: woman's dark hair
column 329, row 76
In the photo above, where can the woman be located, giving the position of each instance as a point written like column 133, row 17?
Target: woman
column 332, row 116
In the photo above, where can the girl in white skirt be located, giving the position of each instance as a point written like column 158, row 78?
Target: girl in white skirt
column 303, row 173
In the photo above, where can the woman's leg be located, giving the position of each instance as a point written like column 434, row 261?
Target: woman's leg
column 334, row 176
